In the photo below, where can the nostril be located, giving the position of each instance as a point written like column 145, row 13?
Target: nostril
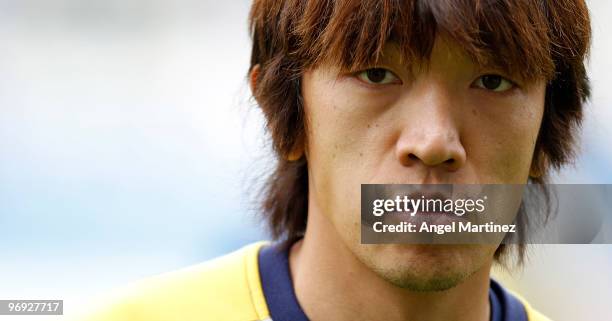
column 449, row 161
column 413, row 157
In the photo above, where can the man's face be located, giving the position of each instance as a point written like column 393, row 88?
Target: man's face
column 444, row 121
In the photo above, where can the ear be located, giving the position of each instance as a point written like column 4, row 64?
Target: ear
column 539, row 165
column 297, row 151
column 253, row 77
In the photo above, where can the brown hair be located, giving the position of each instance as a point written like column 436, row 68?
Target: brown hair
column 532, row 39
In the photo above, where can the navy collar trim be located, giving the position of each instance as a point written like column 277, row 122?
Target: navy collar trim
column 283, row 304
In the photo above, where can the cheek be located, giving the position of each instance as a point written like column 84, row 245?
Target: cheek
column 341, row 128
column 339, row 147
column 502, row 139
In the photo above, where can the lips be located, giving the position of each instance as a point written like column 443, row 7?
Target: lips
column 436, row 199
column 417, row 203
column 426, row 205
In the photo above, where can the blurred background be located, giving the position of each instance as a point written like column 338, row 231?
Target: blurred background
column 128, row 142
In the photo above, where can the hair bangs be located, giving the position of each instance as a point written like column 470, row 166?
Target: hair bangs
column 509, row 35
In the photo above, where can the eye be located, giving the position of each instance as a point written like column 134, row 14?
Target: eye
column 378, row 76
column 495, row 83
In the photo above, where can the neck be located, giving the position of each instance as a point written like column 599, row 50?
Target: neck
column 331, row 283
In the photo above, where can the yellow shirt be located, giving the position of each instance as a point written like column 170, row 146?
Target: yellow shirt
column 224, row 289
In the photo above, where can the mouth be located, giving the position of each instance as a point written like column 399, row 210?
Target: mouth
column 425, row 204
column 431, row 203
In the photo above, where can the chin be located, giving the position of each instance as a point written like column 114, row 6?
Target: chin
column 426, row 268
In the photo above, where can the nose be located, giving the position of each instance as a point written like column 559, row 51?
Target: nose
column 430, row 135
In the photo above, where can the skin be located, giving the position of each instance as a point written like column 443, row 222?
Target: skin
column 426, row 123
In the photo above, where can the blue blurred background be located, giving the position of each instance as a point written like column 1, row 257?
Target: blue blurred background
column 129, row 144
